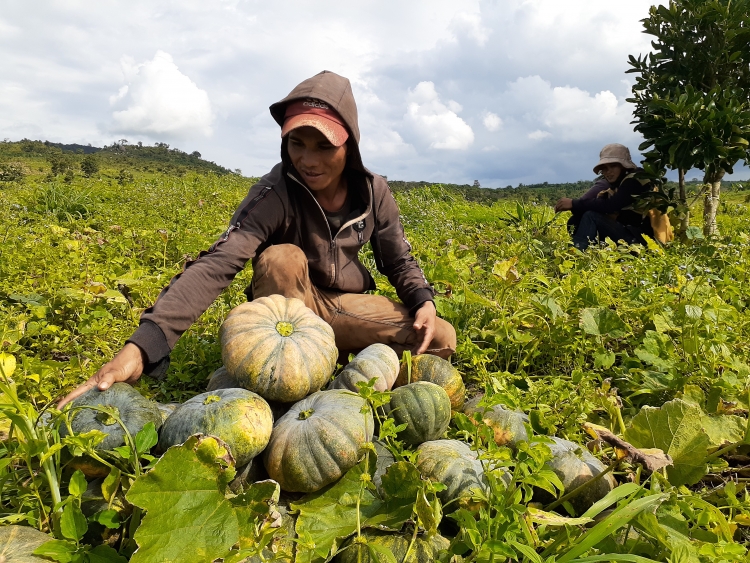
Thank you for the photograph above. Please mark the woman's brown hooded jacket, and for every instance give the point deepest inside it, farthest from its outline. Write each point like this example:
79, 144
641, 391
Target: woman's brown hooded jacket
280, 209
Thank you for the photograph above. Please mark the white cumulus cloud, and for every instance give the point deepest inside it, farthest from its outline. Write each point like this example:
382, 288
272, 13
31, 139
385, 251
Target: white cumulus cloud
435, 122
160, 100
492, 121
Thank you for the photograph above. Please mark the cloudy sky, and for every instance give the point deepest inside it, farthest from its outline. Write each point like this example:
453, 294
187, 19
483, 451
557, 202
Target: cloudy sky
502, 91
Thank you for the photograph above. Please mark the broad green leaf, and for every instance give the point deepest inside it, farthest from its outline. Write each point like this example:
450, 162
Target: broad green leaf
146, 438
252, 507
381, 554
724, 429
111, 483
600, 321
401, 480
188, 518
78, 484
72, 522
604, 359
57, 550
676, 428
328, 516
429, 513
109, 518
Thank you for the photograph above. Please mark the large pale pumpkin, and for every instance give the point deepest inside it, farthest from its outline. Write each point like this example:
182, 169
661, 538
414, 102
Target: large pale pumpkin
318, 440
17, 544
120, 399
376, 361
278, 348
455, 465
424, 549
427, 367
425, 409
241, 418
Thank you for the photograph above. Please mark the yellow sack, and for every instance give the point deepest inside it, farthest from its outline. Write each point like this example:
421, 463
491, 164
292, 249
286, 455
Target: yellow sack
663, 231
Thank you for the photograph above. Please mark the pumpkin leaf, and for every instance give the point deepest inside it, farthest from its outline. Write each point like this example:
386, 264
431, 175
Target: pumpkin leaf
73, 523
676, 428
252, 506
188, 517
601, 321
326, 521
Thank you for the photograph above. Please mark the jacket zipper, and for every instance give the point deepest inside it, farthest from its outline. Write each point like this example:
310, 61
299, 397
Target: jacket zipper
331, 237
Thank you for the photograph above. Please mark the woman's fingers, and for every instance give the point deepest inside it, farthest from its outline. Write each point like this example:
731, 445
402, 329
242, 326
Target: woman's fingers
126, 366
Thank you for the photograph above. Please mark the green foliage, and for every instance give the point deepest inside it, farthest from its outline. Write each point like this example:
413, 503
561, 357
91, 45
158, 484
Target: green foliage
565, 337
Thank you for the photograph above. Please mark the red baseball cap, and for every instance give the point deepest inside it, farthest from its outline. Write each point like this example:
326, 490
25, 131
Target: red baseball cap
314, 113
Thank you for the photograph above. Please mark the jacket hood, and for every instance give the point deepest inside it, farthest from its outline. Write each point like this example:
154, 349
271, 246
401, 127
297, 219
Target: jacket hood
327, 87
336, 91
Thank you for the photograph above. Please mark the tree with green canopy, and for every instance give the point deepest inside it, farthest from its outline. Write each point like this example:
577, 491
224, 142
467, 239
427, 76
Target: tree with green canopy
692, 95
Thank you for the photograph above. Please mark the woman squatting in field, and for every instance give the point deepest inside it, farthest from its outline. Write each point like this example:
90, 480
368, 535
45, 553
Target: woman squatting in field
302, 226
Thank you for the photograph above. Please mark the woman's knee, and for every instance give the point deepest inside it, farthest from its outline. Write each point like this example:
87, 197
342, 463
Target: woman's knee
443, 342
281, 256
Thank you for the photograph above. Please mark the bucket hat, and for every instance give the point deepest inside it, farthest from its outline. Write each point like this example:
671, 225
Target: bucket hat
615, 153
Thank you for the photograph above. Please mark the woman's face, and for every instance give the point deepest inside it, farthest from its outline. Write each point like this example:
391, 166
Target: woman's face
318, 162
611, 171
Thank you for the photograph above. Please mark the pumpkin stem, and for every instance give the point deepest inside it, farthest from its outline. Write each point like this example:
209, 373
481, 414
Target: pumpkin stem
108, 418
284, 328
304, 415
211, 399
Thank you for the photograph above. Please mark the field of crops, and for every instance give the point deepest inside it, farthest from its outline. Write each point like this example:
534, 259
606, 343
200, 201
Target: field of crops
648, 343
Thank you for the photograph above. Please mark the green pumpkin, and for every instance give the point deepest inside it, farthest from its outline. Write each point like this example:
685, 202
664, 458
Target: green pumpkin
134, 410
220, 379
318, 440
575, 465
425, 548
425, 409
17, 544
507, 426
427, 367
241, 418
377, 360
455, 465
278, 348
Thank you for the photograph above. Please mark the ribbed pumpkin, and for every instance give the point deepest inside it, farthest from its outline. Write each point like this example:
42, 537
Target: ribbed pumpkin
241, 418
427, 367
17, 544
134, 410
377, 360
575, 465
507, 426
424, 550
318, 440
220, 379
278, 348
425, 409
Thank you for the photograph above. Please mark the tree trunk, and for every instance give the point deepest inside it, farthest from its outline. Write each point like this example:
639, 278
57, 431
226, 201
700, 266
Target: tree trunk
685, 215
711, 202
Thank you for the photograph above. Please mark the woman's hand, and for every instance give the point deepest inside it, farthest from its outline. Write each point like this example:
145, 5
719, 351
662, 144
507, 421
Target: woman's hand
563, 204
126, 366
424, 324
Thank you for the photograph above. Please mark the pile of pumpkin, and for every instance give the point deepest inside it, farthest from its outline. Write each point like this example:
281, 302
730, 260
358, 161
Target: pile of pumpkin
277, 356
